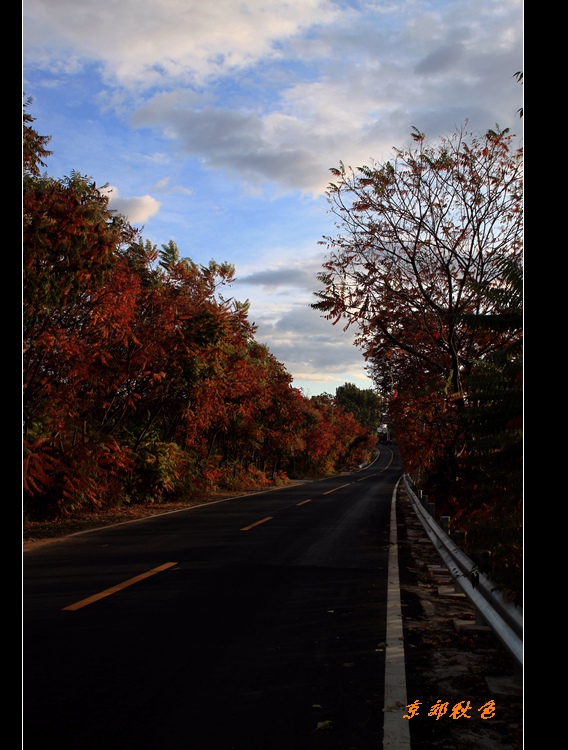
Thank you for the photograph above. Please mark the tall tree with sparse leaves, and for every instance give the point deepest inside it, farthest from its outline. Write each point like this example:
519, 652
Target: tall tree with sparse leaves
417, 236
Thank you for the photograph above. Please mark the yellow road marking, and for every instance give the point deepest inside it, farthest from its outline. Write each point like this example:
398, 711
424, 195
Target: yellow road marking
114, 589
304, 501
337, 488
246, 528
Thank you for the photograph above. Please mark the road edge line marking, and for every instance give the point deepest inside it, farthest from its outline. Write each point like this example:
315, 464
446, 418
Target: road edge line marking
396, 730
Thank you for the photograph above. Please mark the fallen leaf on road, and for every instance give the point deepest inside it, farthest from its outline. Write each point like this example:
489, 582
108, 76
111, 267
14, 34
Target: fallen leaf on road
325, 725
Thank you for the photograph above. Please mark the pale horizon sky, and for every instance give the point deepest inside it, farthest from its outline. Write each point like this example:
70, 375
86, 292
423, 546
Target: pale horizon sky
215, 125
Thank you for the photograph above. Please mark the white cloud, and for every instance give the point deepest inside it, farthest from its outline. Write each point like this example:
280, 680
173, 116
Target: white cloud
372, 76
141, 42
245, 105
369, 82
137, 209
313, 349
163, 186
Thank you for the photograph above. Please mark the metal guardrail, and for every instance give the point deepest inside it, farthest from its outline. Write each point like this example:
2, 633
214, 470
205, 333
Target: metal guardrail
503, 617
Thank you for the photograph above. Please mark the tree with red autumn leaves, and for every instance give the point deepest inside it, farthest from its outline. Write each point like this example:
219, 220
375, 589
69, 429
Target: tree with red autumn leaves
142, 380
79, 306
421, 239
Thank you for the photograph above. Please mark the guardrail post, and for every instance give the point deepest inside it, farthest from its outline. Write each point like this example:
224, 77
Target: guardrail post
479, 619
432, 509
424, 500
458, 536
445, 524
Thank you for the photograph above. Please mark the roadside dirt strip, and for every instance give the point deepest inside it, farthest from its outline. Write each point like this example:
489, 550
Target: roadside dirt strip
462, 690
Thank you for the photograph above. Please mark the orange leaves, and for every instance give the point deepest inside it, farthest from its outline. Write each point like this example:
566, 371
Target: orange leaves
132, 400
362, 206
137, 372
38, 465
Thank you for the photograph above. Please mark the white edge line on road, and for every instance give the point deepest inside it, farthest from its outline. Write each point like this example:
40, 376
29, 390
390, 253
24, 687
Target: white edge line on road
396, 730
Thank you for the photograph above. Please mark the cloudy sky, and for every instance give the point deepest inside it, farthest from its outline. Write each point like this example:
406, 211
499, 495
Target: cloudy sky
215, 123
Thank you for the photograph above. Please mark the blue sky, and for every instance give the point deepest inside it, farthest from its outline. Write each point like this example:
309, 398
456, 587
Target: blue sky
215, 125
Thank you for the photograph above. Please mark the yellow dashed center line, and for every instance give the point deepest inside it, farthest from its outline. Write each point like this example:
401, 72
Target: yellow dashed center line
337, 488
165, 566
114, 589
263, 520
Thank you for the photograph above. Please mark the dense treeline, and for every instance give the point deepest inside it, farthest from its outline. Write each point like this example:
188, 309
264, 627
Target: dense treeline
142, 379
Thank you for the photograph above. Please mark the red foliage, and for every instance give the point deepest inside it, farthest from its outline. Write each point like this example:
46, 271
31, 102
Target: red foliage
141, 381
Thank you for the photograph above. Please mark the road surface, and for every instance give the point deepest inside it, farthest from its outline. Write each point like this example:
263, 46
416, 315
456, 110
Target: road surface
256, 623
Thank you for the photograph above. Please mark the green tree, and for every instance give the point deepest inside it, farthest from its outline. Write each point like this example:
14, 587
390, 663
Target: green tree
364, 404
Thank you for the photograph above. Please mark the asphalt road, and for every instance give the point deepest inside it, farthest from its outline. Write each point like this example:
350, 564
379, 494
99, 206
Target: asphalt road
256, 623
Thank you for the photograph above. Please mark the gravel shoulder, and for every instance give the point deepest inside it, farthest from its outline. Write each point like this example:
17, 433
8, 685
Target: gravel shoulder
448, 657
